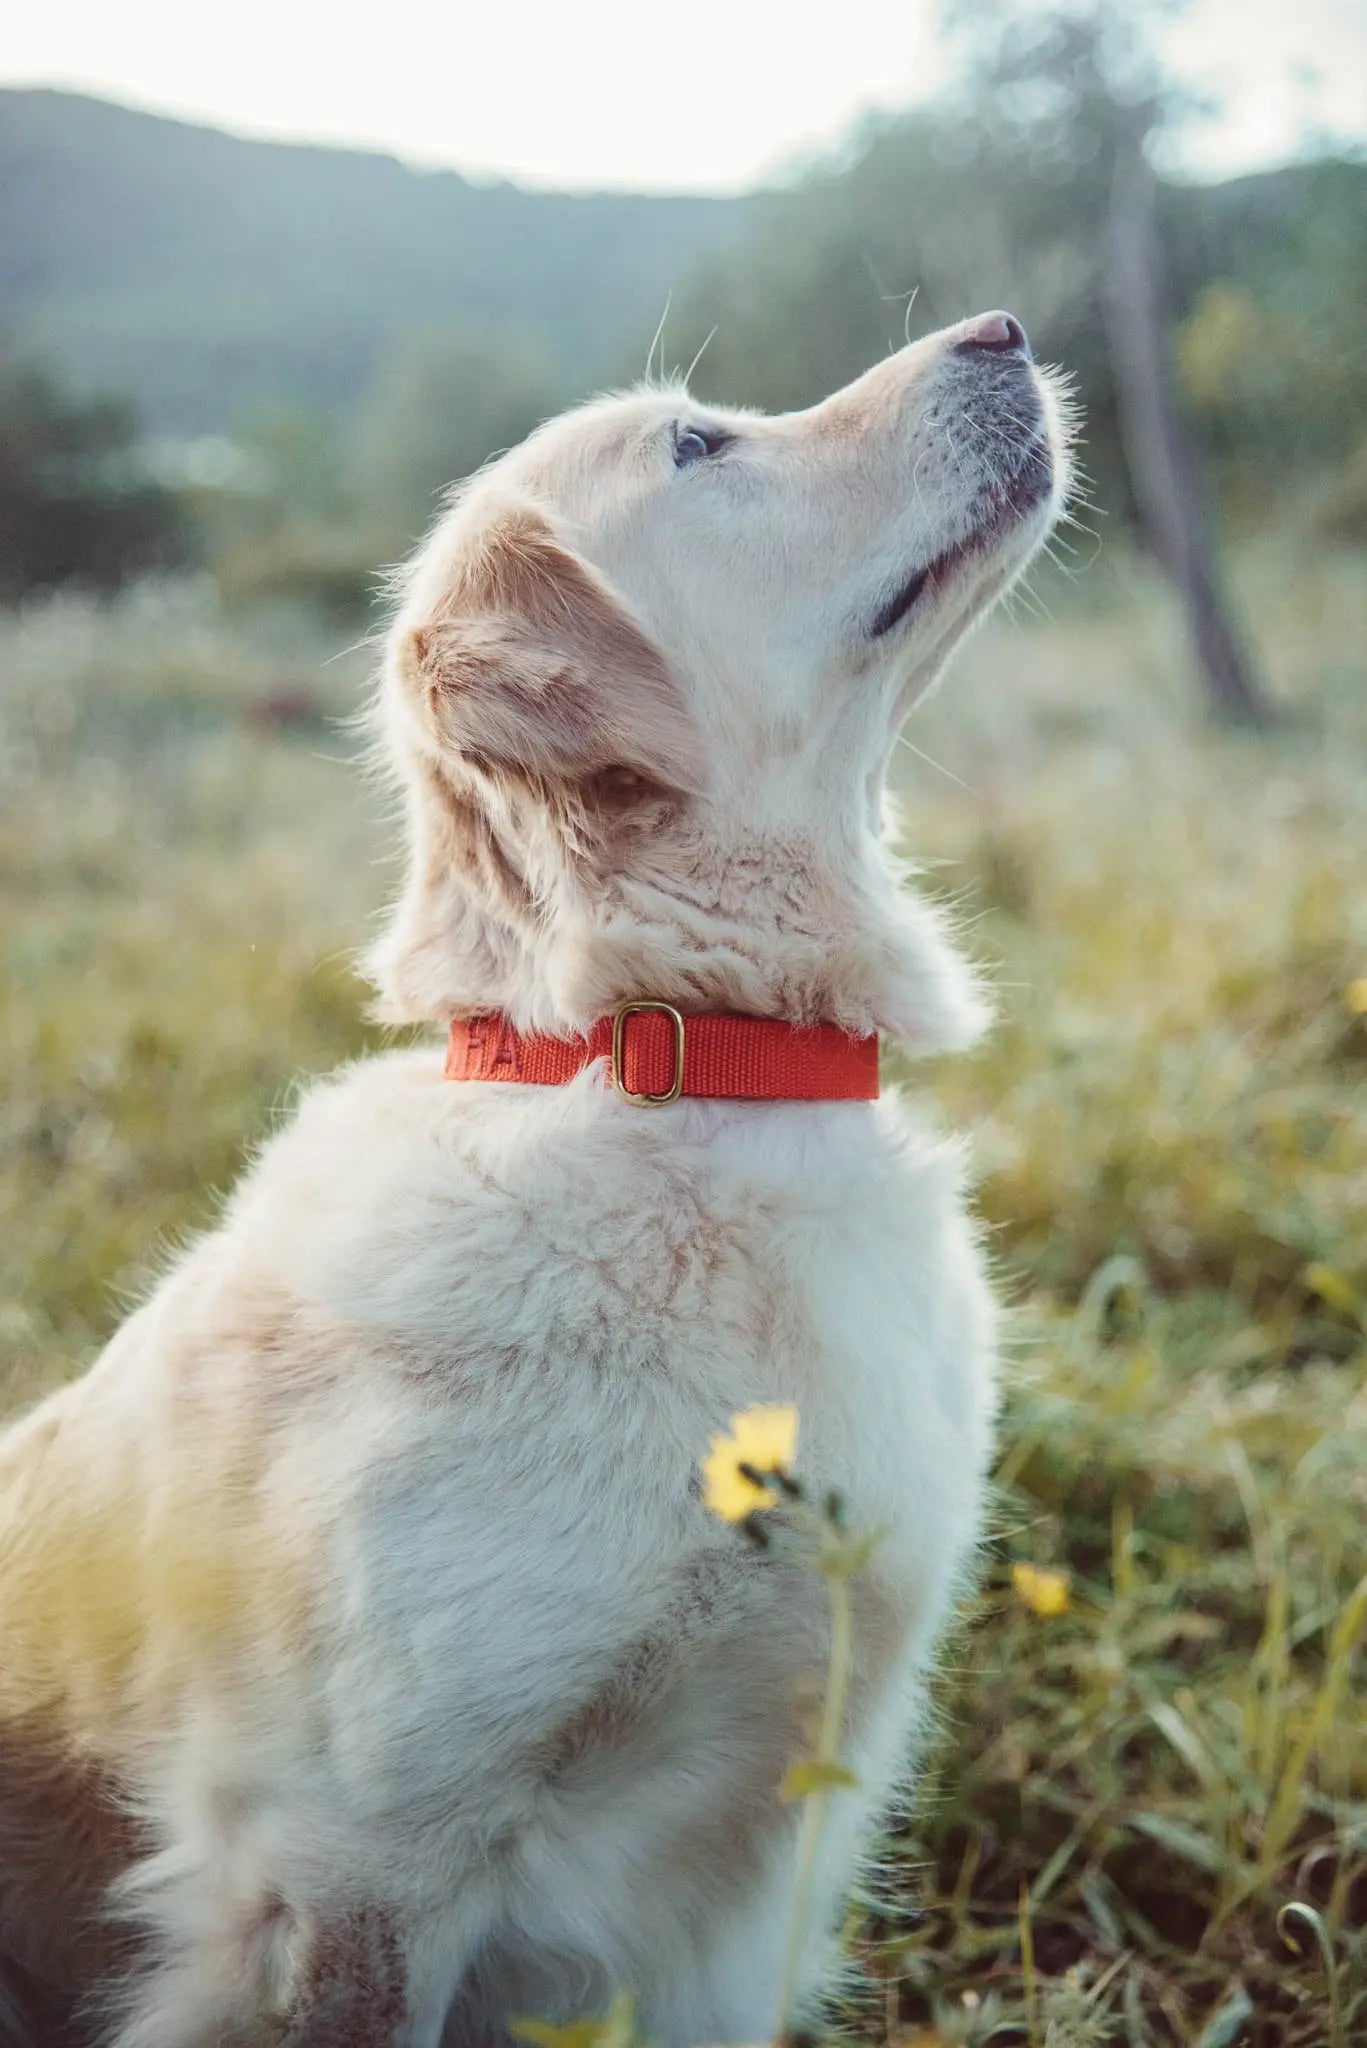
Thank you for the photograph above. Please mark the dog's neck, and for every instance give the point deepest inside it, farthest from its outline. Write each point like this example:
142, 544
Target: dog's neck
544, 921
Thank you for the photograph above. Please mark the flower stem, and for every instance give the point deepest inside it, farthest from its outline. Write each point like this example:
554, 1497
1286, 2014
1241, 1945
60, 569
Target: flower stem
814, 1806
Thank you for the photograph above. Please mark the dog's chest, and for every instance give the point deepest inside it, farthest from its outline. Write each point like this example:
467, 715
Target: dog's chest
564, 1300
576, 1269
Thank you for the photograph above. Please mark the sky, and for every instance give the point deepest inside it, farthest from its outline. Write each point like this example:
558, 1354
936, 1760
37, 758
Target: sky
714, 96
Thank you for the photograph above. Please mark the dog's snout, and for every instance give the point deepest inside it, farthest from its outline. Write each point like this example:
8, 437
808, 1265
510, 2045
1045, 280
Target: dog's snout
999, 331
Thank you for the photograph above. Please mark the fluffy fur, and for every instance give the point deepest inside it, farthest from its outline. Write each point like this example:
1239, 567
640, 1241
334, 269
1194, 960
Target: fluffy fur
371, 1666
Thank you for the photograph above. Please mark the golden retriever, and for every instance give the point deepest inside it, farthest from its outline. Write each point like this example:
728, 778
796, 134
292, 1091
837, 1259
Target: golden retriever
372, 1669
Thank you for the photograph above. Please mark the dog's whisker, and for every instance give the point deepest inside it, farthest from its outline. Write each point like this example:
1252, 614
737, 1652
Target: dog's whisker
657, 341
906, 318
931, 762
688, 373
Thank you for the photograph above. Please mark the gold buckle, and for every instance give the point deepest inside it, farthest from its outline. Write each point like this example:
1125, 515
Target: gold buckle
619, 1046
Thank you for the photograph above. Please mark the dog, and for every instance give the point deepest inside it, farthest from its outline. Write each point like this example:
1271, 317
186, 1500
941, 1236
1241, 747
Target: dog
374, 1671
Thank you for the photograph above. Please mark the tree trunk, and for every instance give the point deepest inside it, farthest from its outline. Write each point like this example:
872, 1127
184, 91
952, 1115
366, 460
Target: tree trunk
1163, 462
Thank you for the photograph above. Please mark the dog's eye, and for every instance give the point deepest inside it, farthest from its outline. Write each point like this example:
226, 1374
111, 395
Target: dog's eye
695, 444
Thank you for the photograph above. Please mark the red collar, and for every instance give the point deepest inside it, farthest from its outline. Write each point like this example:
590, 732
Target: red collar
655, 1054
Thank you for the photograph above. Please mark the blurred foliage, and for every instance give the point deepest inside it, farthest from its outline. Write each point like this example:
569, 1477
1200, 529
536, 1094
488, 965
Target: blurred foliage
314, 511
445, 401
288, 530
1269, 386
76, 501
998, 195
1170, 1131
369, 334
1342, 510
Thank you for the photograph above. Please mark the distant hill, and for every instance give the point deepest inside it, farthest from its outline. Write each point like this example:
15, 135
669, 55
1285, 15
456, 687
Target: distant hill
207, 275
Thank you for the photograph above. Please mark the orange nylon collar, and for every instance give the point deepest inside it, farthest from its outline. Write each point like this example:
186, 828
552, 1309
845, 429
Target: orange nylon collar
655, 1054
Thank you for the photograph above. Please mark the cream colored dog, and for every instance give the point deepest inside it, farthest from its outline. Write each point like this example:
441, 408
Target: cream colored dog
372, 1669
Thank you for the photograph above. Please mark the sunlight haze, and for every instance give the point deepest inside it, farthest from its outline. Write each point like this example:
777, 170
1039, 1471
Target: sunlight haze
712, 98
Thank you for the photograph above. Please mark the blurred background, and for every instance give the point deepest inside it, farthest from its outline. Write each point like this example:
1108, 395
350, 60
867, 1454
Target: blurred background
268, 285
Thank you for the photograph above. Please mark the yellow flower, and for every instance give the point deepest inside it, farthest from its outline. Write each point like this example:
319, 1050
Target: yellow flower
1044, 1593
765, 1439
1355, 995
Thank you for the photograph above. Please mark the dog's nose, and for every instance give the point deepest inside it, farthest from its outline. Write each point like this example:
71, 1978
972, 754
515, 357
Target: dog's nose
999, 331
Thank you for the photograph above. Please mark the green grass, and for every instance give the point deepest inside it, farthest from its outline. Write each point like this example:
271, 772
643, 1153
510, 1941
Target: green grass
1171, 1128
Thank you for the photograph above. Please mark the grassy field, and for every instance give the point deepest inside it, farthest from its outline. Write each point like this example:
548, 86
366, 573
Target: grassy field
1146, 1821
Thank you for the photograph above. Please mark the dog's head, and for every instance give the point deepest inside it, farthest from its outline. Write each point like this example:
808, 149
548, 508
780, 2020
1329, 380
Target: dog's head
646, 675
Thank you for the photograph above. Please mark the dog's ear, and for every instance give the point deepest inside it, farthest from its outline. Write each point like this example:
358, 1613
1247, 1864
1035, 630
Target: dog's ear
528, 662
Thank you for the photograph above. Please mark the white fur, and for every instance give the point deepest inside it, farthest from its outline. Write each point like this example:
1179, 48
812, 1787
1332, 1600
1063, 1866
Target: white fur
441, 1694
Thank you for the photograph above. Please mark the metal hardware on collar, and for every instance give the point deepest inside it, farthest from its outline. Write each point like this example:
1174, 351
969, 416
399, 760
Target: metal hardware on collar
618, 1055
